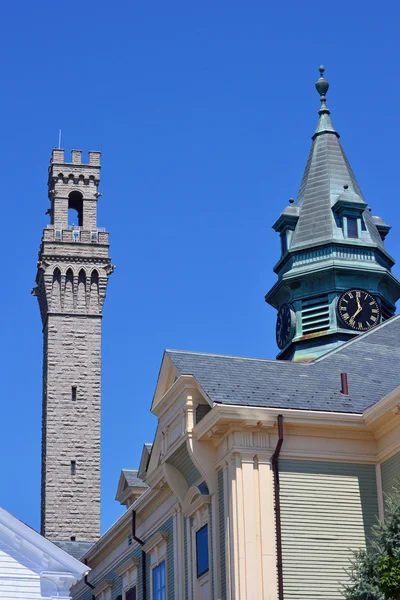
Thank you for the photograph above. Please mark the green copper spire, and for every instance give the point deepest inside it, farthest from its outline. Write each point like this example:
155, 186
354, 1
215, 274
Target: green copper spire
330, 243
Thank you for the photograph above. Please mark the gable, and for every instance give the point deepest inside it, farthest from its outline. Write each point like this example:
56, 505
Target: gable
28, 560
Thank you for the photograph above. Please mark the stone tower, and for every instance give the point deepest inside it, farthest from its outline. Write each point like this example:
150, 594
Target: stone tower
334, 273
73, 269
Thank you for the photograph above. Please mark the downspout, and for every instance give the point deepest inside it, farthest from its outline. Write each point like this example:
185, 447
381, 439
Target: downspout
87, 582
278, 526
141, 542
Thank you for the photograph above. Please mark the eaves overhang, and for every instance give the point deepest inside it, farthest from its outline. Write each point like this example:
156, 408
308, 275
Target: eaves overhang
234, 415
225, 418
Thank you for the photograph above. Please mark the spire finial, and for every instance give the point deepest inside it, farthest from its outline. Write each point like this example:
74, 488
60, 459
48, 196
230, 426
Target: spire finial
322, 87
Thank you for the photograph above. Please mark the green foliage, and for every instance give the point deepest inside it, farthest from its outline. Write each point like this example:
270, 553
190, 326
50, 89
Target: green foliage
375, 572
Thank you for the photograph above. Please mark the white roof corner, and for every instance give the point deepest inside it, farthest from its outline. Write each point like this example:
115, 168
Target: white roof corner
34, 561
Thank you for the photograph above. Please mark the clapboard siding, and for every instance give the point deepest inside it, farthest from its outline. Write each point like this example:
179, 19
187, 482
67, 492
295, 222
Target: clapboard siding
327, 510
221, 517
182, 461
170, 566
390, 470
18, 576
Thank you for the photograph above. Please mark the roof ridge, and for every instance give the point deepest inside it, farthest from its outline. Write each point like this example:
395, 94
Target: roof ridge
360, 336
273, 360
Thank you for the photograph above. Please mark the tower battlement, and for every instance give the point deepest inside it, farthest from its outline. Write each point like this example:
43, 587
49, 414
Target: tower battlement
58, 157
74, 185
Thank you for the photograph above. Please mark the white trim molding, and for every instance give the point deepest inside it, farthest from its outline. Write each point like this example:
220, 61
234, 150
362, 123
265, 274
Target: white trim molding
156, 548
103, 591
128, 571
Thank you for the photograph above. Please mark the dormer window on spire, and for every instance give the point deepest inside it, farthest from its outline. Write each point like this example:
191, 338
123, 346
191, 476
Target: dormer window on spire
286, 224
352, 227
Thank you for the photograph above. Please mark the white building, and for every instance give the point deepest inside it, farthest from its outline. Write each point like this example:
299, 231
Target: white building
32, 567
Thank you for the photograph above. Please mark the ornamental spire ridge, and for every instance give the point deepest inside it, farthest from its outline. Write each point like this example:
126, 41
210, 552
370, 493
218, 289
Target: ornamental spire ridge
322, 87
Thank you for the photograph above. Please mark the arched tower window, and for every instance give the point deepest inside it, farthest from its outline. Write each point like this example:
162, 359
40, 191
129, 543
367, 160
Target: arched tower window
94, 293
69, 291
75, 208
56, 290
81, 300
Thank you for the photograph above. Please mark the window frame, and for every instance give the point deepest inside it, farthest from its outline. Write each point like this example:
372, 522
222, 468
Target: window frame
197, 532
354, 222
162, 591
132, 588
128, 571
156, 549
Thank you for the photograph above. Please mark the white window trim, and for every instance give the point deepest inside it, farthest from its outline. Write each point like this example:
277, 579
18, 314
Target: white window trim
197, 507
156, 549
129, 573
103, 591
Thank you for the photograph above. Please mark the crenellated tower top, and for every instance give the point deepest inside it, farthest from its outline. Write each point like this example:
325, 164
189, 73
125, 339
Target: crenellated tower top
74, 185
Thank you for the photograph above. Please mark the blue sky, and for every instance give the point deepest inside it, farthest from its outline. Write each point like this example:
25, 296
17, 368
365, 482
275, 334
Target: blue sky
204, 113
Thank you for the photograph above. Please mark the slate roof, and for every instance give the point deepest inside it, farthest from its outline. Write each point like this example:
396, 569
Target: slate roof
132, 479
75, 549
371, 360
327, 171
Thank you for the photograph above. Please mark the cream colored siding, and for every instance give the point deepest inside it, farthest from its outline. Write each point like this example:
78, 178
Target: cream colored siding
390, 470
221, 511
327, 510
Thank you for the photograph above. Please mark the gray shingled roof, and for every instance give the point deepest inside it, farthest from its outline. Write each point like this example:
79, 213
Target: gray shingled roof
76, 549
371, 360
132, 479
327, 171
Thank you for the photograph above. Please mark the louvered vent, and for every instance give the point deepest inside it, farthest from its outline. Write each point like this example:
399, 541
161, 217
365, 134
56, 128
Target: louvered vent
387, 310
315, 314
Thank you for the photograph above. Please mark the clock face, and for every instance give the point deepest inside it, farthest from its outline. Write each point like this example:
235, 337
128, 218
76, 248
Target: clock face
358, 310
285, 325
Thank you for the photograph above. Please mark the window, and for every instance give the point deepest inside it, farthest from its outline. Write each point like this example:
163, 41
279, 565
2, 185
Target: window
352, 227
73, 392
159, 582
73, 467
131, 594
73, 538
202, 551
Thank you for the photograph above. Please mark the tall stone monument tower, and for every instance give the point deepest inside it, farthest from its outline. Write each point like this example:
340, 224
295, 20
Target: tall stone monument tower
73, 269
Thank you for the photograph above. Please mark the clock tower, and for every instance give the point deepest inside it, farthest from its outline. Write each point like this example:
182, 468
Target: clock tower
334, 273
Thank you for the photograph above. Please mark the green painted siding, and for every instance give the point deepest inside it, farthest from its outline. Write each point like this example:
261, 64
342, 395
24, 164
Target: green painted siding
221, 516
327, 511
137, 552
182, 461
390, 470
111, 575
169, 526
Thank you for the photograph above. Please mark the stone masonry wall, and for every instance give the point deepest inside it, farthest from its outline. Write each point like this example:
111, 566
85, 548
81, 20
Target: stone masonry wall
71, 428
